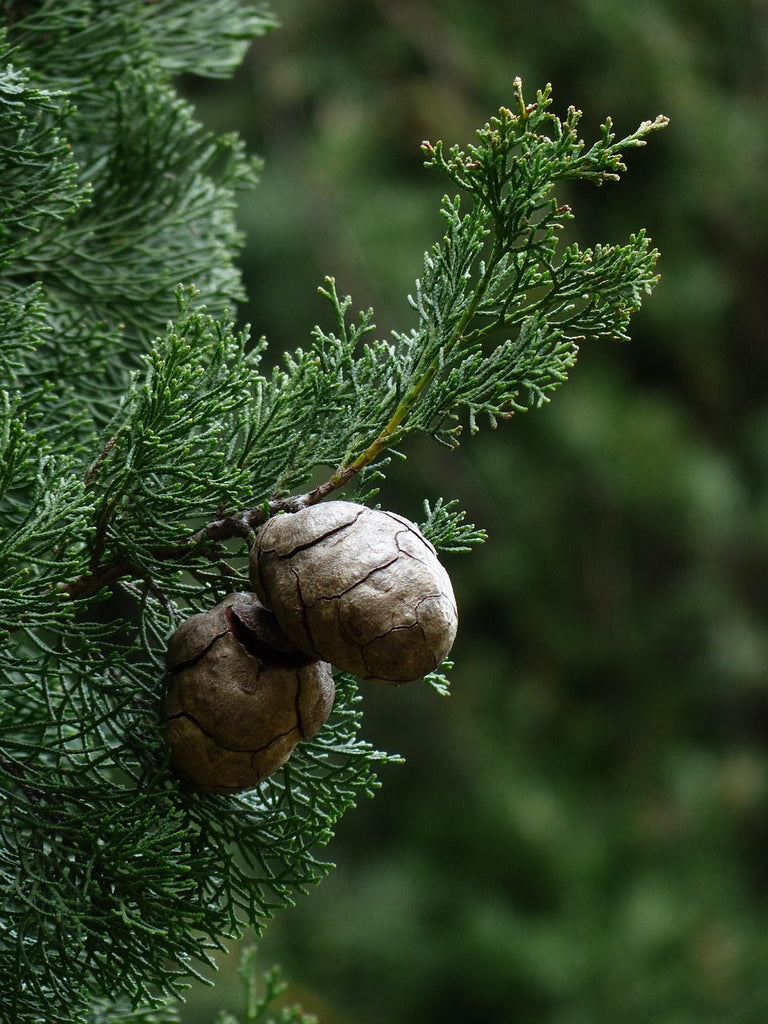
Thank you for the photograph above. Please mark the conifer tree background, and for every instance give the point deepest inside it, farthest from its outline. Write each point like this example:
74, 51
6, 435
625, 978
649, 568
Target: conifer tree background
138, 457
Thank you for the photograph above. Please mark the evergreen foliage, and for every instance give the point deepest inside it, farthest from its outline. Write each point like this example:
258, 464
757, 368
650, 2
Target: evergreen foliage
261, 992
142, 446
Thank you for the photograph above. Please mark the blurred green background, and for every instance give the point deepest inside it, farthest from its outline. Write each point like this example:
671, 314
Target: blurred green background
580, 833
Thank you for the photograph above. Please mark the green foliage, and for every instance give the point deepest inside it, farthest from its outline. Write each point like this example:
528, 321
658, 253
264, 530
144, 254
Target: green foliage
118, 214
103, 1012
173, 451
495, 270
39, 171
471, 289
260, 1004
142, 446
446, 528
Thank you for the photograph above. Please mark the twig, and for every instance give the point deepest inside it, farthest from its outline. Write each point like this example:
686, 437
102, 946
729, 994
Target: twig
206, 540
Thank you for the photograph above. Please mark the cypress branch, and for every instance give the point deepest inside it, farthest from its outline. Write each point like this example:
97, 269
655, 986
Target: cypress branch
132, 486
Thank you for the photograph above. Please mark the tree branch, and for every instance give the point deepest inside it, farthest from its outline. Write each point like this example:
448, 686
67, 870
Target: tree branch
206, 540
